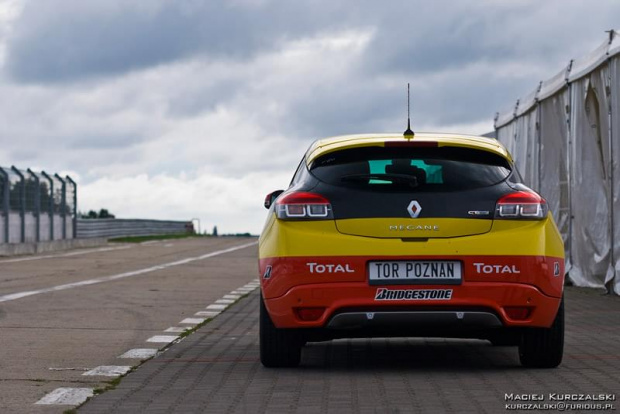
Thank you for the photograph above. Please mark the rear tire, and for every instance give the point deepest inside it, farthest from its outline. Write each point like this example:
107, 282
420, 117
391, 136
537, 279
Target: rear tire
278, 347
544, 347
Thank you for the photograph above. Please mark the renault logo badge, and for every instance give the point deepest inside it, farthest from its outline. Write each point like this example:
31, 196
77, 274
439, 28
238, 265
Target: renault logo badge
414, 209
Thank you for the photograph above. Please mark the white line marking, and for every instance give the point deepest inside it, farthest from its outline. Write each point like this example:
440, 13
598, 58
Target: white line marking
66, 396
237, 292
207, 314
108, 371
53, 256
19, 295
177, 329
193, 321
162, 339
217, 307
225, 301
235, 297
140, 353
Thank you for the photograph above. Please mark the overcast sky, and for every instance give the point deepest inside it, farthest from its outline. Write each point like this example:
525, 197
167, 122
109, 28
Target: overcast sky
196, 109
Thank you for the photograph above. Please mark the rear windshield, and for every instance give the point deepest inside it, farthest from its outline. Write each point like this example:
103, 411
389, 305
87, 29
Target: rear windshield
411, 169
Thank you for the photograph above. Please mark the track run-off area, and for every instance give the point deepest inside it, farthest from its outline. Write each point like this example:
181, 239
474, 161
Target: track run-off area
73, 323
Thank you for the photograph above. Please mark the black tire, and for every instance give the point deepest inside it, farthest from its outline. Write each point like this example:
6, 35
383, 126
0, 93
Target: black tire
278, 347
544, 347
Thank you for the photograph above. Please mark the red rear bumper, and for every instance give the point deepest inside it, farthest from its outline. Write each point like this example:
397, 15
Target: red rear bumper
493, 297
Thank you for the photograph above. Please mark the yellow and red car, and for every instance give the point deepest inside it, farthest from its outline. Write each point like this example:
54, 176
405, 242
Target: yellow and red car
389, 235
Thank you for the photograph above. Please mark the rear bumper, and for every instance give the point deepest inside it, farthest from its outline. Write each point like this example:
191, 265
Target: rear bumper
422, 319
348, 305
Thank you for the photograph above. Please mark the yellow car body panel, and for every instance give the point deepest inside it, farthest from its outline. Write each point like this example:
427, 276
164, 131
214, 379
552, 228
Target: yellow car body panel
327, 145
322, 238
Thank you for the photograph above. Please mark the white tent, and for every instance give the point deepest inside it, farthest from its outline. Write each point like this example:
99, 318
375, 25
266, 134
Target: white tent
565, 139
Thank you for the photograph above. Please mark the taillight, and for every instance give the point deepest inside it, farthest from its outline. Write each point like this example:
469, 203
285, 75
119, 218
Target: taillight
521, 205
303, 206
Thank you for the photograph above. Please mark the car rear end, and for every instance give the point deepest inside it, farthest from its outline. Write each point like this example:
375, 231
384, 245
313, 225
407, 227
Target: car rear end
434, 236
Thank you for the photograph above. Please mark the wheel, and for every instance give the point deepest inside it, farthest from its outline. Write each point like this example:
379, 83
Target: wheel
544, 347
278, 347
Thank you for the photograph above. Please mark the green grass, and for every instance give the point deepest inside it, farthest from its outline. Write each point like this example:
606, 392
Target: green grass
140, 239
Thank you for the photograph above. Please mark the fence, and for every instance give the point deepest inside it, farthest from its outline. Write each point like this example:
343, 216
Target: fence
36, 207
89, 228
565, 138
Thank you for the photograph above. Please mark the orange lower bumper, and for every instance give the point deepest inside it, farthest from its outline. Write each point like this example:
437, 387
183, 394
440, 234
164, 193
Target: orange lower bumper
493, 296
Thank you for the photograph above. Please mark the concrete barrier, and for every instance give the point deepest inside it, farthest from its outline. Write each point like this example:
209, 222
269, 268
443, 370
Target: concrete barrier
15, 249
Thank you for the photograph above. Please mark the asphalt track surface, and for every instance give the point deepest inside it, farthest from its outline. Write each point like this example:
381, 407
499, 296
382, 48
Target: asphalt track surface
217, 369
64, 314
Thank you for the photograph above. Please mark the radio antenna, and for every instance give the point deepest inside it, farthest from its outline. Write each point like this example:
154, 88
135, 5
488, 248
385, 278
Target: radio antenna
408, 133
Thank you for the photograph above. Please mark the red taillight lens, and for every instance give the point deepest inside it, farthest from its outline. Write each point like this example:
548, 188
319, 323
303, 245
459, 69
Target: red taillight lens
521, 205
518, 313
303, 206
310, 314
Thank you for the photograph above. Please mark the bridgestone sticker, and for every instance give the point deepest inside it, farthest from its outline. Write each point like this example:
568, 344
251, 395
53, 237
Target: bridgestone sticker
413, 294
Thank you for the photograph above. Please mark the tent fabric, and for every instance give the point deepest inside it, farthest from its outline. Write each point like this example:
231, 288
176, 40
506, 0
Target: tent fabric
554, 84
554, 180
615, 151
586, 64
591, 235
565, 140
527, 102
520, 144
614, 47
530, 169
506, 135
504, 118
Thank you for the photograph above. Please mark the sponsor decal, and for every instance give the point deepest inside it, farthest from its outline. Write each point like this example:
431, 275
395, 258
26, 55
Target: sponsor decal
267, 273
414, 208
413, 294
329, 268
412, 227
487, 269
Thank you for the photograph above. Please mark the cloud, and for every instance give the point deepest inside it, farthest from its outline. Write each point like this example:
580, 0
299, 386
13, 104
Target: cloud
157, 101
68, 40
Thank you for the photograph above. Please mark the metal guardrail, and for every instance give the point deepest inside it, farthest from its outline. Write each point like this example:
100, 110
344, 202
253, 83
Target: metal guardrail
90, 228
